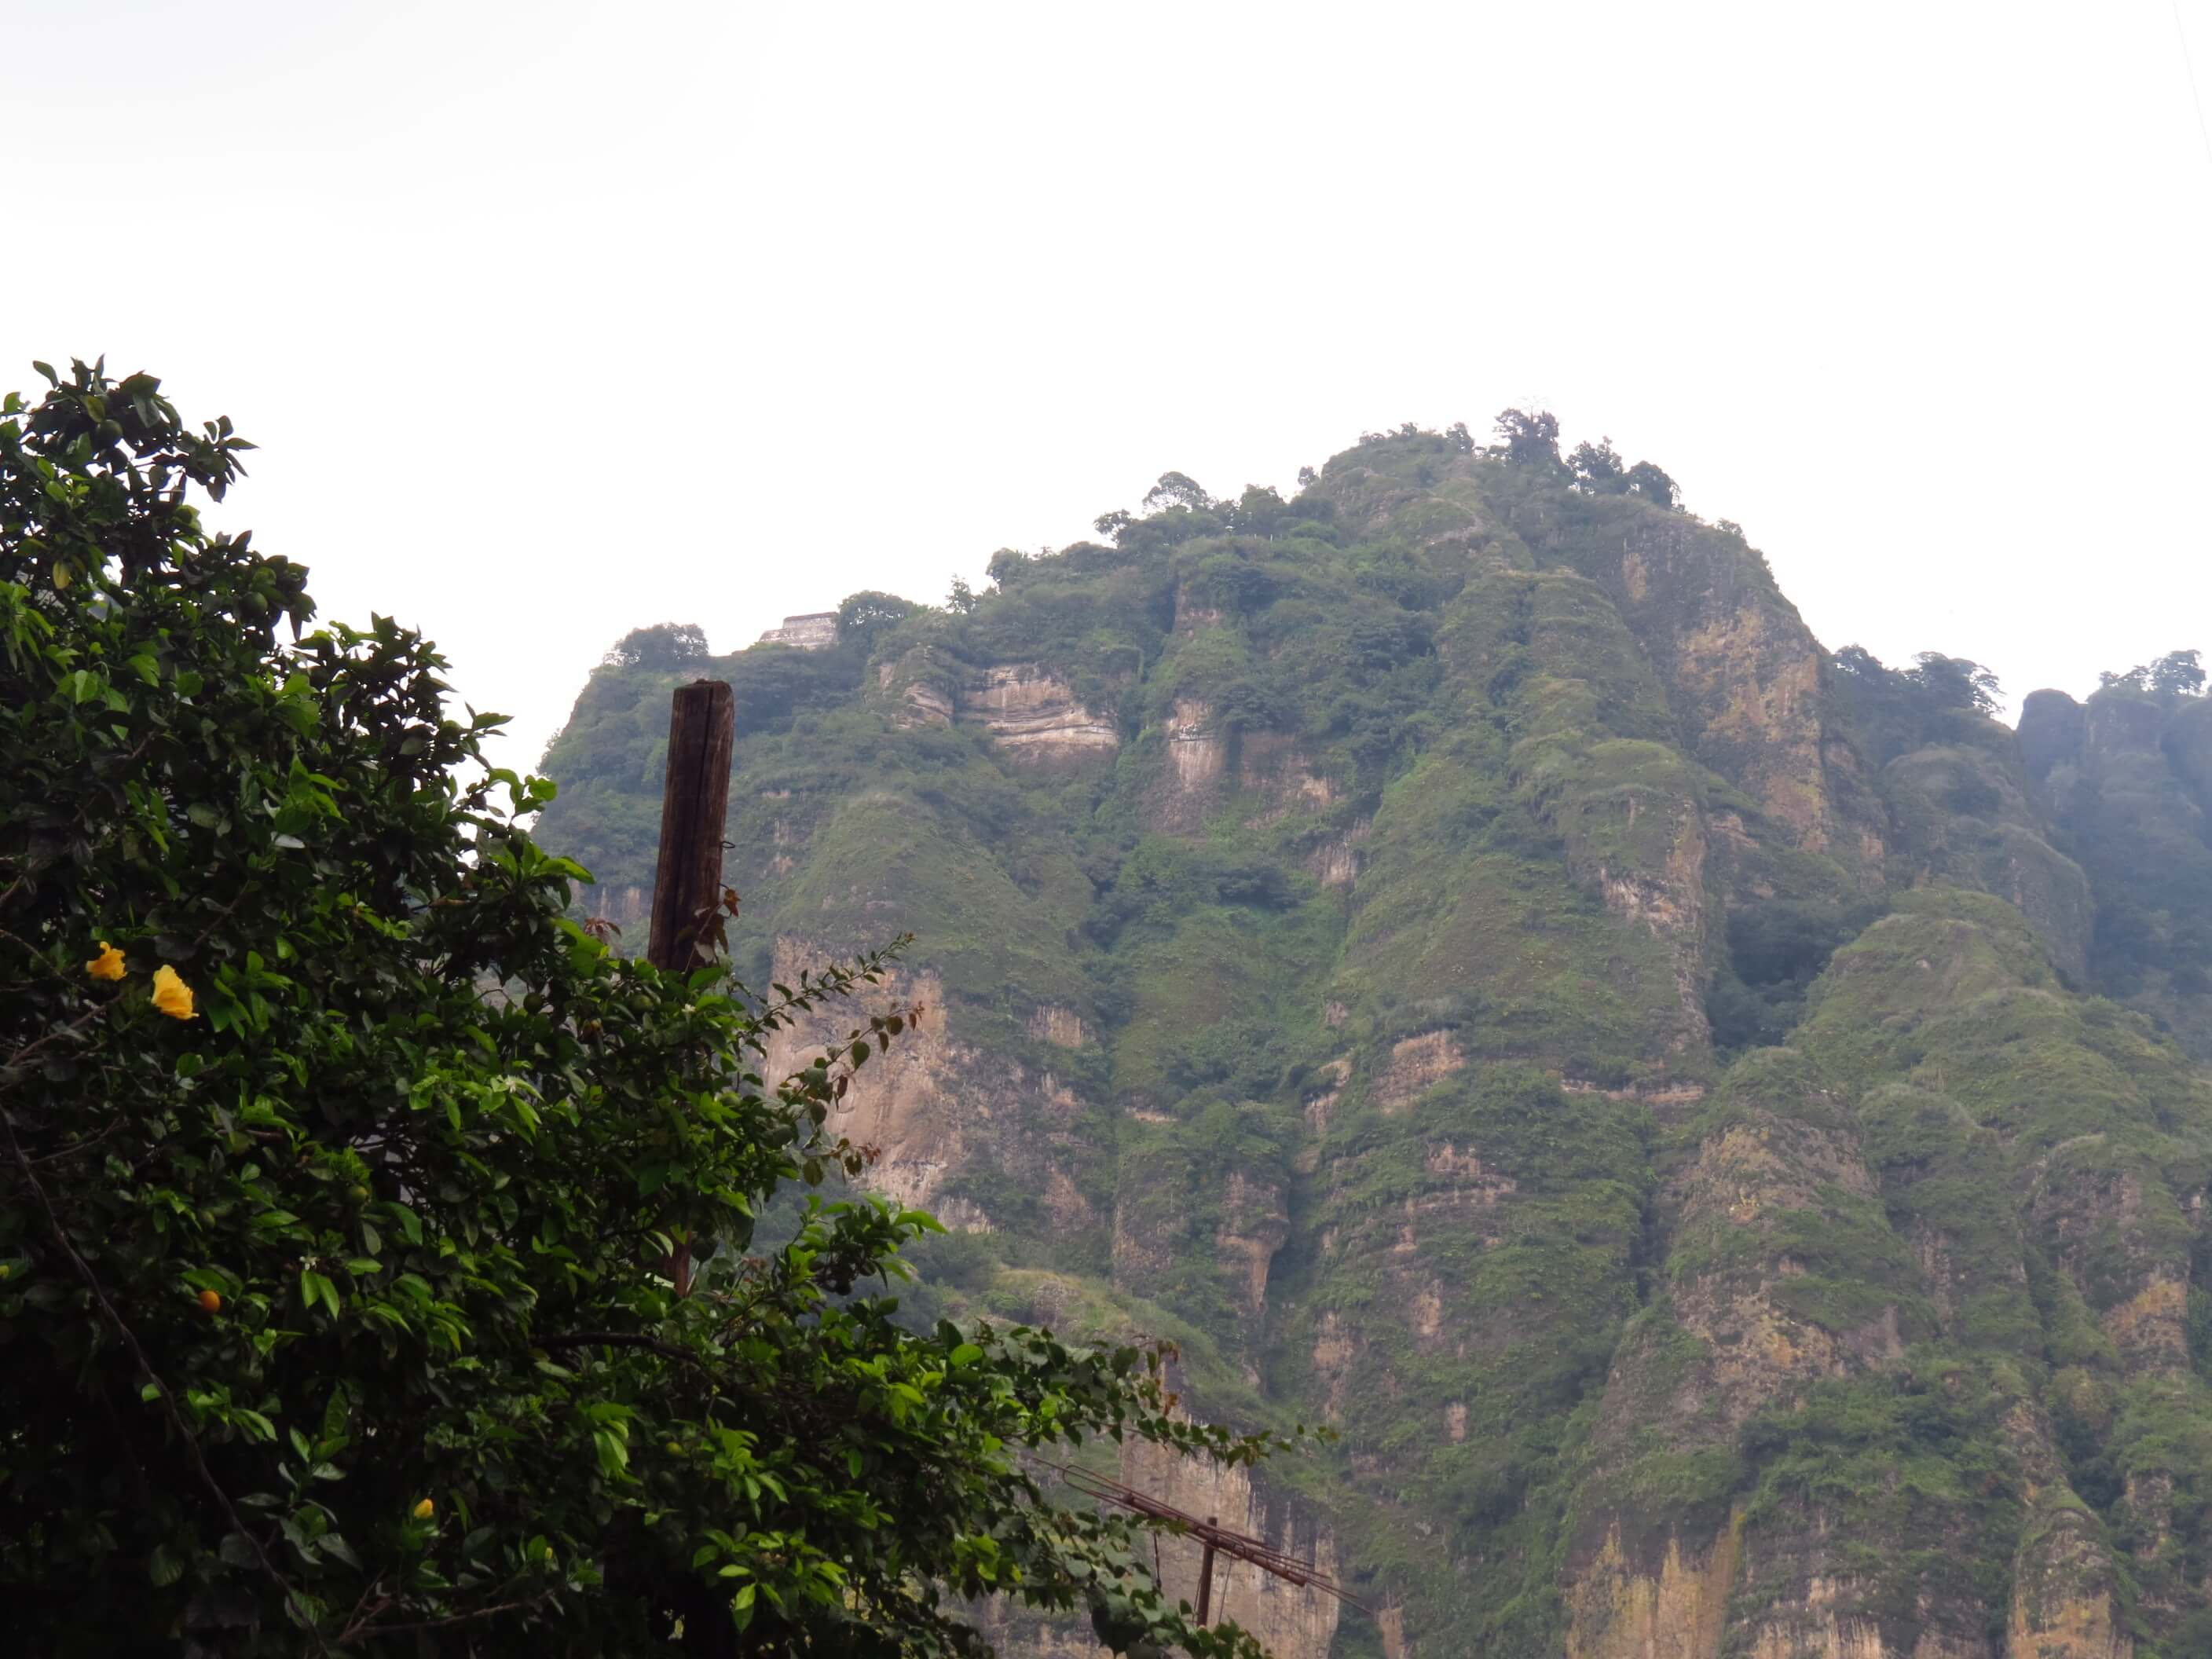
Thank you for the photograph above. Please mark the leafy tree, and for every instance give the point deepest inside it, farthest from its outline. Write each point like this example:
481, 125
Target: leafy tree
1308, 478
665, 645
1955, 683
1176, 489
2178, 674
1898, 710
1530, 439
961, 599
1258, 511
1599, 469
341, 1174
1111, 524
1008, 564
2175, 675
866, 616
1647, 480
1460, 437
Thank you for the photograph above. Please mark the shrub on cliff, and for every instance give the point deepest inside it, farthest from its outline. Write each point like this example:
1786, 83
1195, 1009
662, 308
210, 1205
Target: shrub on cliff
340, 1173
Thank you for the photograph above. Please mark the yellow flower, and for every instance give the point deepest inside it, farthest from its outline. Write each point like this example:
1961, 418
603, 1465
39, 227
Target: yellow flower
171, 994
425, 1510
108, 964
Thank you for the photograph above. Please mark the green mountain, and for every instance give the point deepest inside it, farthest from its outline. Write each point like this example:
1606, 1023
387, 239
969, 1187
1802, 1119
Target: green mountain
1719, 1128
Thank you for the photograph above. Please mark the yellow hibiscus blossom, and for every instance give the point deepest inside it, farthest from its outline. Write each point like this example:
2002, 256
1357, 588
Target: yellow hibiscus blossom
108, 964
171, 994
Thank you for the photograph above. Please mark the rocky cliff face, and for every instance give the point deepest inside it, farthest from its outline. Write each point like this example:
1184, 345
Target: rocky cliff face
2126, 779
1455, 955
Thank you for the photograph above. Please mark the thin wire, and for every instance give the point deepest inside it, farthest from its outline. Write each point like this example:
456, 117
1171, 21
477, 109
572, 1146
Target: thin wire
2188, 63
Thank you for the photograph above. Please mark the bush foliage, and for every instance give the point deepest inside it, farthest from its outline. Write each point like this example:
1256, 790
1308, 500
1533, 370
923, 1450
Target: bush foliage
342, 1175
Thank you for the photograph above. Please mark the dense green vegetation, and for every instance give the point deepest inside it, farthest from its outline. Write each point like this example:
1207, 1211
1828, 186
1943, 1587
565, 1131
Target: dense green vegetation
379, 1270
1449, 947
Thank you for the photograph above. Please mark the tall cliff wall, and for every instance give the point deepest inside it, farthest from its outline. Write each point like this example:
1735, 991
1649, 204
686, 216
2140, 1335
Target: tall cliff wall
1455, 954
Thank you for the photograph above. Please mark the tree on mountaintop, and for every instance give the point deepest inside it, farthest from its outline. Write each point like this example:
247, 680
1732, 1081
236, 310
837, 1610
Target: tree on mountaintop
1531, 439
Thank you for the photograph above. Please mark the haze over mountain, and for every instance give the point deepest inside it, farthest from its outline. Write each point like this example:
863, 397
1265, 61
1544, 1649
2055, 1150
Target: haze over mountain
1718, 1126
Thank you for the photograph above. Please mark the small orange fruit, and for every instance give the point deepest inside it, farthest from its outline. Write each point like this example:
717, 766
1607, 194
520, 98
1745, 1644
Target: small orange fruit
210, 1302
425, 1510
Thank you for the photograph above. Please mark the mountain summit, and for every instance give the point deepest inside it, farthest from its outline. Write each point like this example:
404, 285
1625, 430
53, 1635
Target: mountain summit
1718, 1127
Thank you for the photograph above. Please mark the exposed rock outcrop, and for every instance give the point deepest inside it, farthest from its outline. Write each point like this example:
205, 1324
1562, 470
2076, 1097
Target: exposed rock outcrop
817, 630
1291, 1621
1744, 673
933, 1113
1415, 1062
1034, 717
1197, 752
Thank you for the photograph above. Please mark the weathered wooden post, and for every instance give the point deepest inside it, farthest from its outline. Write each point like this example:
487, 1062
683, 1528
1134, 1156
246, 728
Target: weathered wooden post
687, 886
694, 799
1205, 1572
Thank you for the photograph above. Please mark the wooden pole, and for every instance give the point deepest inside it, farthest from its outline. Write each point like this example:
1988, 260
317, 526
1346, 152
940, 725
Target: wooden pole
694, 799
1205, 1577
687, 886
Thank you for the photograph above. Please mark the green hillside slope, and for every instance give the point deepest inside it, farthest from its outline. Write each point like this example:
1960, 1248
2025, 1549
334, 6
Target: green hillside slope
1711, 1124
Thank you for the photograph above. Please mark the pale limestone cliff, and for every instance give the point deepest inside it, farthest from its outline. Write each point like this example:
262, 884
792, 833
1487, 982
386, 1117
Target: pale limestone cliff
1621, 1608
1729, 1339
2065, 1594
1744, 674
1335, 862
1034, 717
1190, 615
1414, 1063
1255, 1222
929, 1109
1667, 898
1053, 1023
1197, 753
1293, 1622
817, 630
1275, 772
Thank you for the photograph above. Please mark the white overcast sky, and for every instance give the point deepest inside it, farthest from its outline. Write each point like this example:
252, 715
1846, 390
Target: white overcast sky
556, 319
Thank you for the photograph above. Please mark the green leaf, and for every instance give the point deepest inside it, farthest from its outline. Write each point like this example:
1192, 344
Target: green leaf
331, 1544
164, 1566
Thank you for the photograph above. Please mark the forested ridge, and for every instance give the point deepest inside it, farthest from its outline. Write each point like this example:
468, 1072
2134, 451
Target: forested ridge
1717, 1126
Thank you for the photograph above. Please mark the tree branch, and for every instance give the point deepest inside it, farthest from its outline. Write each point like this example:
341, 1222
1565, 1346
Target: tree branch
360, 1630
622, 1340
